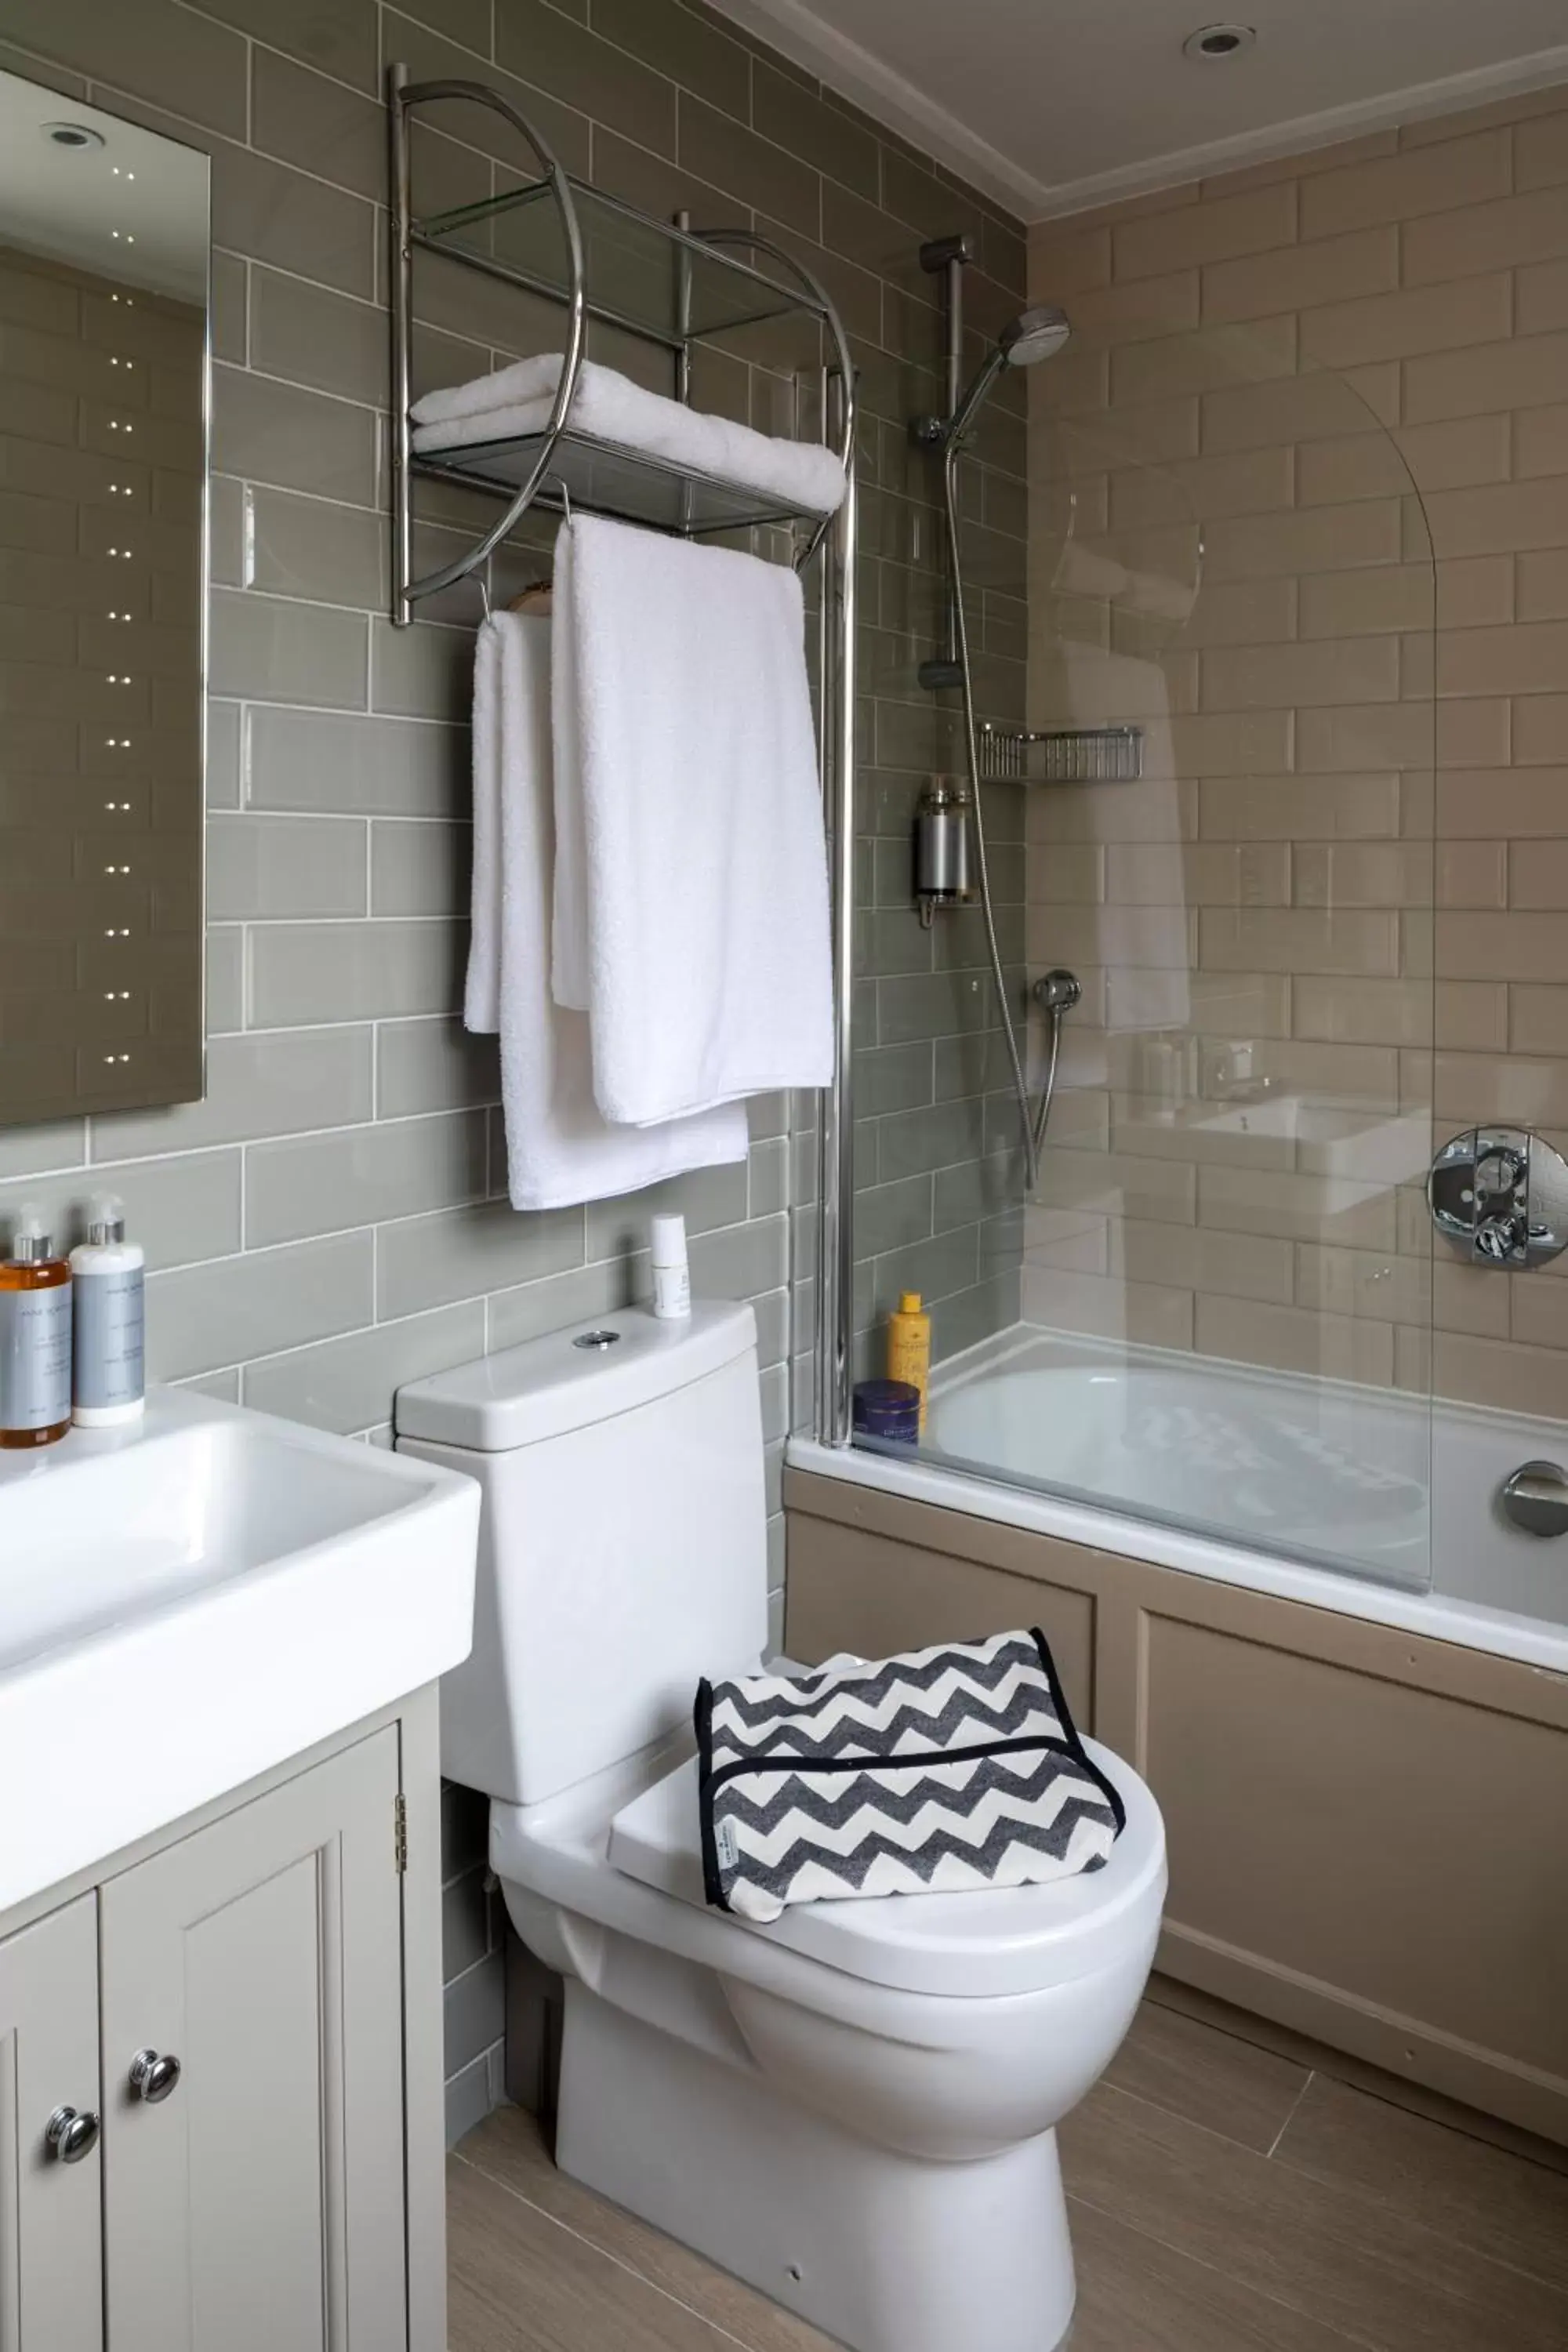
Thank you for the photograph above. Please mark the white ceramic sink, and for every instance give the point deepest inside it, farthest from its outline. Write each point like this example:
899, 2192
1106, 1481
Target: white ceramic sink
190, 1601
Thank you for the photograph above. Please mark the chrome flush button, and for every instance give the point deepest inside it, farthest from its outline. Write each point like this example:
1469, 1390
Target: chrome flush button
598, 1339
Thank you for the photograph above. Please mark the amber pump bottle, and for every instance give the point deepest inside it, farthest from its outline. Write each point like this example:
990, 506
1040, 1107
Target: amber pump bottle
34, 1338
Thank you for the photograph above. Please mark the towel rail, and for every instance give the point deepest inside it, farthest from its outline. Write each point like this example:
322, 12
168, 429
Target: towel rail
403, 95
532, 469
750, 295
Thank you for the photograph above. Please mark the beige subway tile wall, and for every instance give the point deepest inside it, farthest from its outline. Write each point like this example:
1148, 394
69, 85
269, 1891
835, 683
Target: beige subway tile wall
329, 1221
1331, 511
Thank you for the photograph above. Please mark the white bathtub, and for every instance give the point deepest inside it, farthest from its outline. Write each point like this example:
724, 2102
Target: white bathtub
1361, 1500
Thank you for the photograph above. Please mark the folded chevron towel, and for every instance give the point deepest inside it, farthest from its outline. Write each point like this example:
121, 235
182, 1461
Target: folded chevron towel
940, 1771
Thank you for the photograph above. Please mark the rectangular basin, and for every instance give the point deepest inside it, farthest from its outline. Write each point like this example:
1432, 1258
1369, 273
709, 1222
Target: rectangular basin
192, 1601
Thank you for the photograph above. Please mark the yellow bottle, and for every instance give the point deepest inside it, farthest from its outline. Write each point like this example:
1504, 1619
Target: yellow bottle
908, 1348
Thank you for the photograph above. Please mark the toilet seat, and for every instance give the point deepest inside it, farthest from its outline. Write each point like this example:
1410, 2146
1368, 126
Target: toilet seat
1019, 1940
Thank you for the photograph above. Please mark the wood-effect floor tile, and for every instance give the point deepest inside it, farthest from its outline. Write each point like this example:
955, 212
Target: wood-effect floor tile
521, 2283
1328, 2252
1135, 2294
1230, 2086
1166, 1993
1513, 2211
508, 2148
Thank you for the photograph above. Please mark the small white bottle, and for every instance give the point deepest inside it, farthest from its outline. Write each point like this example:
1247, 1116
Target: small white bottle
108, 1275
671, 1275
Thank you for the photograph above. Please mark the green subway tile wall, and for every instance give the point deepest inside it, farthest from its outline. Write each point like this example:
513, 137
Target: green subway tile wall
331, 1220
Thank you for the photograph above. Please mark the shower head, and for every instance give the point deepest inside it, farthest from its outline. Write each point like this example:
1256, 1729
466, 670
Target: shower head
1036, 334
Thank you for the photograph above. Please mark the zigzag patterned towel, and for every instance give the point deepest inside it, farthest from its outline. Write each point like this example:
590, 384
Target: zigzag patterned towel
945, 1769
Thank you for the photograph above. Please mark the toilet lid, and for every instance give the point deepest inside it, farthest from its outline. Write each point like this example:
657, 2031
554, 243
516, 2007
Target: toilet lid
1008, 1940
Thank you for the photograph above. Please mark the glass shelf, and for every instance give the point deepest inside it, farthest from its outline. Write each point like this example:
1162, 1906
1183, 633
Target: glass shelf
628, 485
643, 274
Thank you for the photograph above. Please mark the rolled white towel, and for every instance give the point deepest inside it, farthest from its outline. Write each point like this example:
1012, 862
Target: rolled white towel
516, 400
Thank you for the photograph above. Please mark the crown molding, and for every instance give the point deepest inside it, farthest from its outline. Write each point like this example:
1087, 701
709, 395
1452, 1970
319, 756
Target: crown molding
1516, 77
799, 33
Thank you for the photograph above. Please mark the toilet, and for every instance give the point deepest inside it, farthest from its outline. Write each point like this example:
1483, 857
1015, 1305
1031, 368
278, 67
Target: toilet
852, 2108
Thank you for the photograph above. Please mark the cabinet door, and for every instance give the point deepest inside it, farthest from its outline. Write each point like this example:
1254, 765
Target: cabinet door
257, 2205
51, 2266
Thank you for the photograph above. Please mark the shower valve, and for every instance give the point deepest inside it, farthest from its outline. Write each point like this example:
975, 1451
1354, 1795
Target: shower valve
1500, 1196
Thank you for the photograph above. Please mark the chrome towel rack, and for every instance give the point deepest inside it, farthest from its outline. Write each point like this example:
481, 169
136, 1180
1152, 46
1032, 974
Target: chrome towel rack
674, 287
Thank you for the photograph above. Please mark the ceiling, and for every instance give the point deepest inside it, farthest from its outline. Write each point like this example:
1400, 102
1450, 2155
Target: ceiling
134, 208
1053, 105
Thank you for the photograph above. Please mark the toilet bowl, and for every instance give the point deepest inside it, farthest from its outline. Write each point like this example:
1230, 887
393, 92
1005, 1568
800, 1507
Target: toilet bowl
852, 2108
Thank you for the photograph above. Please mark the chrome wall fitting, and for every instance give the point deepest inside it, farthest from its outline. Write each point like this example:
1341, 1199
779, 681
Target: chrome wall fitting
1536, 1499
1057, 990
1499, 1194
943, 876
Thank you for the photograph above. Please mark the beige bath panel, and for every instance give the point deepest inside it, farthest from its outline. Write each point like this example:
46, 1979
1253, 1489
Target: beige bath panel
1311, 1876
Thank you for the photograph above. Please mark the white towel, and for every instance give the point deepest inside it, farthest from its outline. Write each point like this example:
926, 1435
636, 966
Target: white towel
559, 1149
517, 400
690, 903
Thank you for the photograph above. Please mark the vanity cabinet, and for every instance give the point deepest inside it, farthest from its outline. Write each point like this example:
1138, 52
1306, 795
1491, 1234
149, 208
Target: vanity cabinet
231, 2011
51, 2254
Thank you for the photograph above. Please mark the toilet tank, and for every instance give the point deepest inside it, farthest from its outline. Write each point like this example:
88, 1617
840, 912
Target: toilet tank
623, 1542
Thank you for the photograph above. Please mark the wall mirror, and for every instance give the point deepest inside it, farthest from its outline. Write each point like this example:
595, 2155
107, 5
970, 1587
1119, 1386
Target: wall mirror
104, 438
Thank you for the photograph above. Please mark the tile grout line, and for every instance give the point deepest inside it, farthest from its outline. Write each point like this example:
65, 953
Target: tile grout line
603, 2252
1294, 2104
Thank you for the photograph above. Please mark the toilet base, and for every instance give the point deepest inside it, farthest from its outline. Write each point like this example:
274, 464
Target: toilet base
887, 2251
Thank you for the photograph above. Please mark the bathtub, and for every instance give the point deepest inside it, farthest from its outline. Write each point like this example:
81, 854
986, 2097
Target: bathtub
1364, 1797
1364, 1500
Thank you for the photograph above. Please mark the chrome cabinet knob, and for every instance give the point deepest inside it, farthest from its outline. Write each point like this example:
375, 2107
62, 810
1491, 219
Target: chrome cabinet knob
153, 2076
1536, 1499
69, 2135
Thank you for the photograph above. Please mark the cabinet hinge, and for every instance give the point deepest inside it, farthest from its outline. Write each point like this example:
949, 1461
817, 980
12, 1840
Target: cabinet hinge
400, 1834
